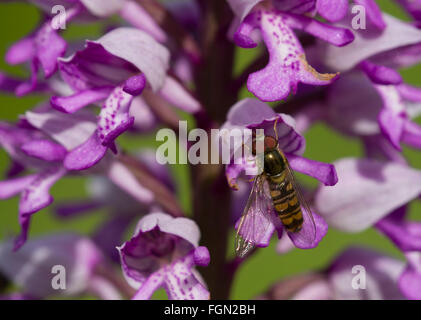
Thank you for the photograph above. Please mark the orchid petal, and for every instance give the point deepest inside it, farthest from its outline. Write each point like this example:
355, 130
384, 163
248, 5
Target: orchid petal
127, 43
159, 237
400, 57
181, 227
409, 93
152, 283
49, 46
378, 147
103, 8
36, 195
135, 85
12, 187
75, 208
173, 92
396, 34
374, 14
181, 283
324, 172
410, 279
347, 111
44, 150
125, 180
34, 198
332, 10
382, 274
114, 58
201, 256
412, 6
287, 64
392, 126
234, 170
144, 118
405, 234
21, 51
381, 74
254, 114
412, 134
284, 245
86, 155
336, 36
70, 130
139, 18
242, 8
366, 192
75, 102
114, 117
296, 6
392, 118
30, 267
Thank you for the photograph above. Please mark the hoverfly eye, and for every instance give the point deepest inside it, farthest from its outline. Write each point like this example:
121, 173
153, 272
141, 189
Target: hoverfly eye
270, 142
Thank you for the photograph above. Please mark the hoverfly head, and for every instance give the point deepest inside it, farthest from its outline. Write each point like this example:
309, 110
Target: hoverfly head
258, 144
270, 143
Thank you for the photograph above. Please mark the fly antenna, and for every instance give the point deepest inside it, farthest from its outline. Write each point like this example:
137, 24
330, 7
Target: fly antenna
275, 129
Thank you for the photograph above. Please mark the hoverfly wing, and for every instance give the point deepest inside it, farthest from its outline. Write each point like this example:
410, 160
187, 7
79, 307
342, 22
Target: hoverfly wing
307, 234
256, 218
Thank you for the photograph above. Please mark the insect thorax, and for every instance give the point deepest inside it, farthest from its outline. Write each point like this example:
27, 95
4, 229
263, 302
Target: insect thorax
274, 162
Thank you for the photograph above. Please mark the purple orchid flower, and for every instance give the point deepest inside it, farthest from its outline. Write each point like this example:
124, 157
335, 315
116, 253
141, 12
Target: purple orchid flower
385, 104
41, 142
31, 267
374, 46
44, 46
355, 209
163, 253
377, 109
40, 49
253, 114
111, 69
44, 141
287, 62
379, 203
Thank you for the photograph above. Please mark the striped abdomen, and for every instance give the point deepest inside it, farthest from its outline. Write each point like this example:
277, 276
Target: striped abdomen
286, 202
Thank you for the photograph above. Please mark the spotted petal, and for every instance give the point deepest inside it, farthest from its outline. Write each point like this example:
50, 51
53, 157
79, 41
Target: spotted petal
114, 117
287, 63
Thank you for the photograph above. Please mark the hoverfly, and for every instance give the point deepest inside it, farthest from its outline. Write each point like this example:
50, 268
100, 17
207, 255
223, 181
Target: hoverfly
274, 190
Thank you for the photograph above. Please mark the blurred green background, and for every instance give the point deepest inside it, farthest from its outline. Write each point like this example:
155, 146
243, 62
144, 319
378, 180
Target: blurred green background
265, 267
